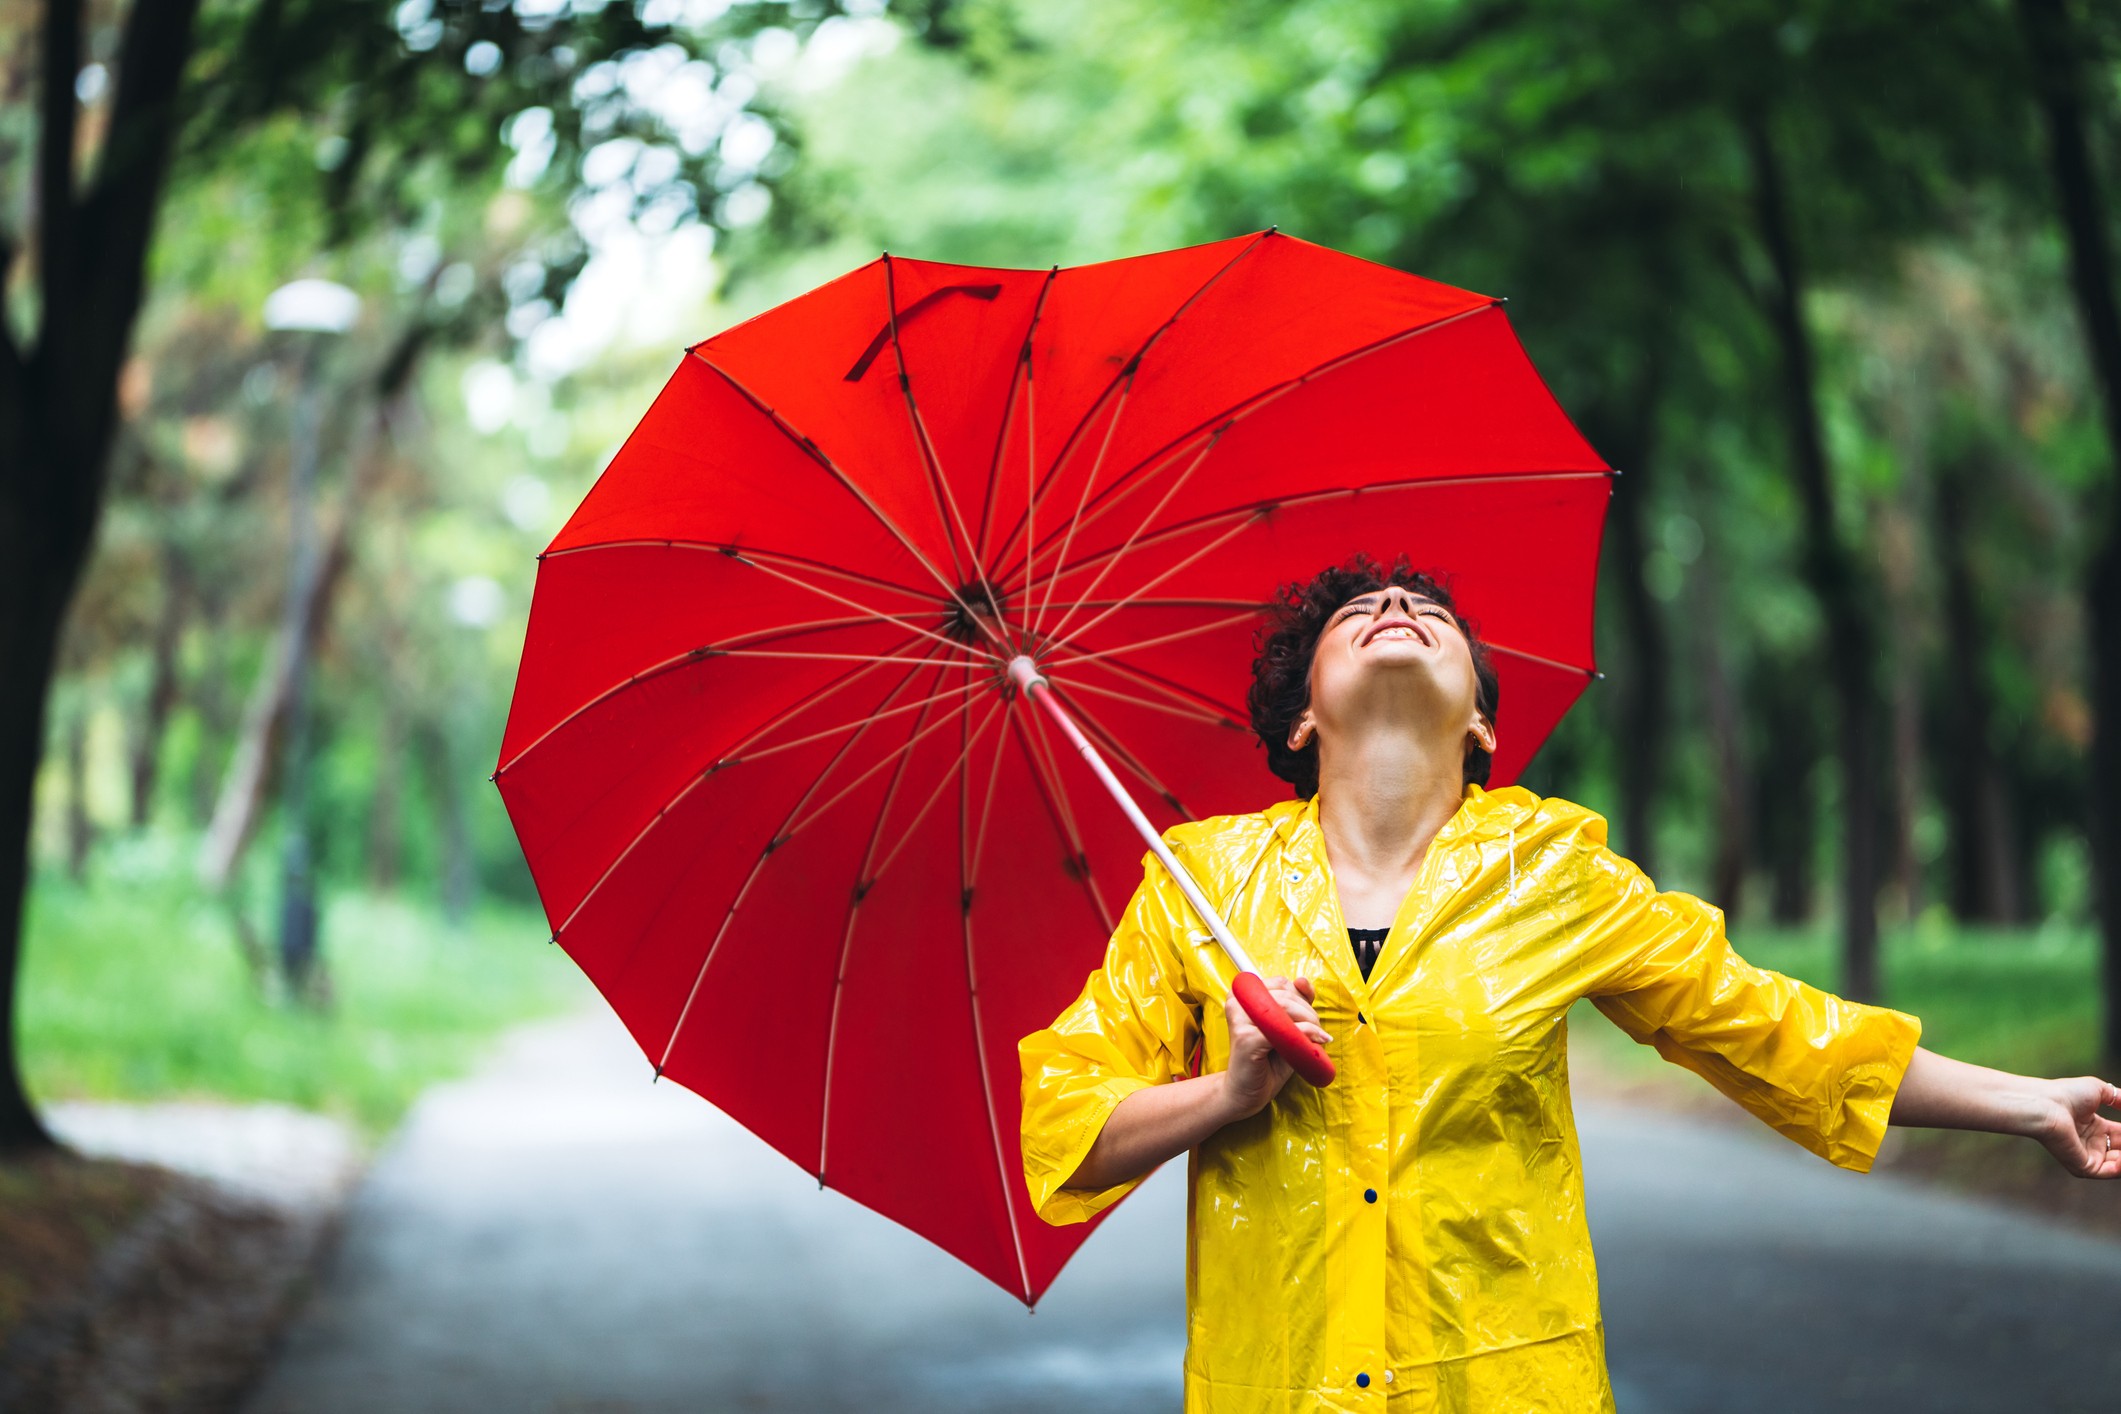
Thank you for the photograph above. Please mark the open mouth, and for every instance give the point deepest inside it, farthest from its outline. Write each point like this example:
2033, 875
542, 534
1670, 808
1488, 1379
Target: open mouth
1397, 628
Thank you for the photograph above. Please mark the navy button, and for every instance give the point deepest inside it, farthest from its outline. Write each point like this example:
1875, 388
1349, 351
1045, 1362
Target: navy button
1361, 1020
1369, 1195
1362, 1381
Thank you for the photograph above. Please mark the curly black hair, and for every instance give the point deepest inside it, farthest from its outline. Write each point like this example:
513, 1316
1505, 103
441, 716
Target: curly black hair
1281, 673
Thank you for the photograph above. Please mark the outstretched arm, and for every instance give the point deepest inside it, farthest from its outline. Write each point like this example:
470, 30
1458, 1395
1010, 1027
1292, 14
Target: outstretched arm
1941, 1093
1163, 1121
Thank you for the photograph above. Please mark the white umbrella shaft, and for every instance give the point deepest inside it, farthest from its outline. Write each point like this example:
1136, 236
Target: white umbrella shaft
1033, 685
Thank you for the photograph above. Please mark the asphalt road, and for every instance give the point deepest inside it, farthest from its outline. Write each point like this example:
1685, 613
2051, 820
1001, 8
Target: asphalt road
555, 1234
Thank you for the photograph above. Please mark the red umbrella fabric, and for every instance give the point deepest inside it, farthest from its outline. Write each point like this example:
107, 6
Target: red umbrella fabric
777, 796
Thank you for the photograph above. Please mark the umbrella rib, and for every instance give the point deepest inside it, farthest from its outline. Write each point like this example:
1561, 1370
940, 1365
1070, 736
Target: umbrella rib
994, 775
1252, 605
1134, 477
939, 485
1119, 410
658, 819
1124, 377
1145, 470
877, 716
668, 665
1049, 774
1127, 758
1022, 377
1250, 614
844, 601
1053, 799
1030, 477
1191, 714
1537, 658
1060, 630
1260, 509
810, 819
817, 454
938, 489
864, 880
937, 794
1177, 692
781, 719
814, 657
1217, 543
731, 549
965, 878
758, 866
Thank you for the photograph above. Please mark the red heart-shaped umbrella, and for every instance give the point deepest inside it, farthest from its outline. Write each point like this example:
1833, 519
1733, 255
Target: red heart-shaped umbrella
783, 798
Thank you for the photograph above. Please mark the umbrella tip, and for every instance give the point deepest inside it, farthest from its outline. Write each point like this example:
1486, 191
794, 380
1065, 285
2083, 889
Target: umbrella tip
658, 1075
1597, 676
554, 938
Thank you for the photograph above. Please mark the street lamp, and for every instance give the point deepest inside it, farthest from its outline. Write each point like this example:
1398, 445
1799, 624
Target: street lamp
314, 308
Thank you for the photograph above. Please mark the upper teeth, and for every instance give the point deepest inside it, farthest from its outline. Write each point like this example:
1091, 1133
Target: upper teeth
1396, 631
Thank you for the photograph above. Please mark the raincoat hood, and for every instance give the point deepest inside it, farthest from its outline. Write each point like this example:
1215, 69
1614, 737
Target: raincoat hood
1414, 1233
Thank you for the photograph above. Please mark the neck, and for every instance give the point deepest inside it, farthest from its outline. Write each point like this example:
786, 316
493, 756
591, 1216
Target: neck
1382, 797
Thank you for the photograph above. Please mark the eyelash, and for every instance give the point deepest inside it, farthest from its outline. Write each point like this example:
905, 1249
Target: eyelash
1430, 609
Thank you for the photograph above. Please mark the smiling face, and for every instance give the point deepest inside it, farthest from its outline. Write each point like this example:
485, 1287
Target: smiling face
1363, 646
1393, 656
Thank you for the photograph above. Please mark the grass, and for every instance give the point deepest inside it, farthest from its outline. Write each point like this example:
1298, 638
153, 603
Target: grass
2018, 999
134, 988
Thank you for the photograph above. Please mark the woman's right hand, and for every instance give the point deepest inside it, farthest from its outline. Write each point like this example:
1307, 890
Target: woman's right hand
1256, 1074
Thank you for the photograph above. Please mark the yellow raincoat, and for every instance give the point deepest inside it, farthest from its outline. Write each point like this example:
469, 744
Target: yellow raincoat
1414, 1234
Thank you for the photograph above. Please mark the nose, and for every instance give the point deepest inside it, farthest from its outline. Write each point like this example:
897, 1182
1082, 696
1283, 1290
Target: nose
1401, 594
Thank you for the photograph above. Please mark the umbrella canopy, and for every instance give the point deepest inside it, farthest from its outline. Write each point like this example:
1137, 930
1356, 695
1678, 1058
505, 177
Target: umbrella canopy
780, 798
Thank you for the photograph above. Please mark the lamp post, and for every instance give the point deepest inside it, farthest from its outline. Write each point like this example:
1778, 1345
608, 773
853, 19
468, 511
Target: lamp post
312, 308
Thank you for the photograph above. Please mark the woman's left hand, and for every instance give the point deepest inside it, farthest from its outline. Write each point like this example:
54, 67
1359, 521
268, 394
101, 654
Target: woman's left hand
2082, 1140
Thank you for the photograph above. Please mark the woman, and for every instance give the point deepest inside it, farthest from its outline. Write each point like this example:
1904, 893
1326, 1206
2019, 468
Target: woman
1415, 1231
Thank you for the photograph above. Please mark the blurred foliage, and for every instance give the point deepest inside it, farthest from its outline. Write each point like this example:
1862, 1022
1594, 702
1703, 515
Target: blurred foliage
131, 991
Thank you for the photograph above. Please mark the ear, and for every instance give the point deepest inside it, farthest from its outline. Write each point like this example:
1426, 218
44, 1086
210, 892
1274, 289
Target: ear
1483, 733
1301, 732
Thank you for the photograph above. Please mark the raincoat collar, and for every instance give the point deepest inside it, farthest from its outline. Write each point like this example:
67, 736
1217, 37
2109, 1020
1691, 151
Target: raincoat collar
1308, 892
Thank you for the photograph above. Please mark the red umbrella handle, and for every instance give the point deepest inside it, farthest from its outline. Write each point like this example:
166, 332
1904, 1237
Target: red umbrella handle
1304, 1056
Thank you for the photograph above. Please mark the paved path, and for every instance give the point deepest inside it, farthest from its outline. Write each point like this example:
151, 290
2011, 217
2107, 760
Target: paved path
555, 1234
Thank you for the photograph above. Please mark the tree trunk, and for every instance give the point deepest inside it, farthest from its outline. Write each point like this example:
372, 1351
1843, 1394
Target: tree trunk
459, 878
1984, 856
386, 806
161, 690
58, 412
249, 778
212, 699
80, 829
36, 580
1645, 690
2059, 87
1832, 574
1726, 739
1783, 800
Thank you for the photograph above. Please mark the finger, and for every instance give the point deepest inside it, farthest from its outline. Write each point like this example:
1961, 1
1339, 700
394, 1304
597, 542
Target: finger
1294, 1008
1304, 985
1316, 1035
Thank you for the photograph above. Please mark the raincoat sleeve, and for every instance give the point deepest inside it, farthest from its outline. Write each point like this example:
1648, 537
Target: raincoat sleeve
1818, 1069
1133, 1026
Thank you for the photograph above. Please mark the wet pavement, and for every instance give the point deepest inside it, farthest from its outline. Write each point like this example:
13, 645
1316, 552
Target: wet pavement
555, 1234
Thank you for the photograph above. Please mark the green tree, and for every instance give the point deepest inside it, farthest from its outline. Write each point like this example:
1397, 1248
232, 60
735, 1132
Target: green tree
114, 103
